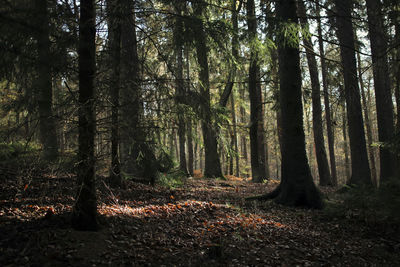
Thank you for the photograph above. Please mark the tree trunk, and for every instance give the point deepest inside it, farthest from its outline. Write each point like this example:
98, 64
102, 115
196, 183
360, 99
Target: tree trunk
346, 151
235, 136
367, 124
191, 155
84, 214
180, 90
114, 36
212, 161
360, 171
320, 152
47, 127
190, 146
257, 141
397, 74
131, 132
331, 137
297, 187
243, 140
383, 94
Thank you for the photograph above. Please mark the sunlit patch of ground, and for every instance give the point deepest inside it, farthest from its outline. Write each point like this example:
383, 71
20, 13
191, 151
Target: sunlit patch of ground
206, 222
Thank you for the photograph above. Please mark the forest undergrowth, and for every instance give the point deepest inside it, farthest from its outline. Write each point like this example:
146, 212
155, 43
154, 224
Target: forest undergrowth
198, 222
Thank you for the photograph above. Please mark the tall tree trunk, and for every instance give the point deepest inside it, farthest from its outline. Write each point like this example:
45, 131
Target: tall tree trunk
331, 137
180, 90
257, 141
131, 132
320, 152
190, 146
235, 54
383, 94
235, 136
212, 161
397, 73
345, 145
48, 133
360, 171
243, 141
297, 187
367, 123
114, 35
84, 214
191, 155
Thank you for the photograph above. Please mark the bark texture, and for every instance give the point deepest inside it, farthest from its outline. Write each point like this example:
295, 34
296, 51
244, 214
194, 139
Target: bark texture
297, 187
47, 126
114, 33
360, 171
329, 128
320, 152
212, 166
257, 140
383, 94
84, 214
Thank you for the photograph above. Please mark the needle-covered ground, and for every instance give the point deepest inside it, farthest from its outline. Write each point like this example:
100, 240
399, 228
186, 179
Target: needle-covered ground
203, 222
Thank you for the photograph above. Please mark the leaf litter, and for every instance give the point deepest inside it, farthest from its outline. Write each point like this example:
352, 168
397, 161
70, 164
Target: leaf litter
203, 223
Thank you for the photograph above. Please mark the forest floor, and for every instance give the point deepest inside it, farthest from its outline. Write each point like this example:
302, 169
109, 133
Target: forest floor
204, 222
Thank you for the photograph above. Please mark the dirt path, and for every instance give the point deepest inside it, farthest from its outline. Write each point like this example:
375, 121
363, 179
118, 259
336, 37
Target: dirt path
203, 223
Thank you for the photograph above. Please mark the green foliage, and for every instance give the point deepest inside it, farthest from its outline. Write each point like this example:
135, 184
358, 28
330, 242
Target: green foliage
172, 179
165, 161
289, 33
9, 151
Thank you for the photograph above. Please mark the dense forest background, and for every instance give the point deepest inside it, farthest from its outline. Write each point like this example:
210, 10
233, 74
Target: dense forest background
298, 97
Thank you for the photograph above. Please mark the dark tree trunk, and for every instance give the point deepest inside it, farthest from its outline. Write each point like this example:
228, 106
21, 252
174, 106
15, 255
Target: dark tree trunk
383, 94
47, 126
367, 124
131, 132
84, 214
180, 90
243, 141
397, 74
331, 137
190, 146
235, 137
257, 141
114, 36
235, 54
345, 145
212, 162
360, 171
320, 152
297, 187
191, 155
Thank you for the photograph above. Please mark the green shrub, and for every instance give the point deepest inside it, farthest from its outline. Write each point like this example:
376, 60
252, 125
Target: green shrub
9, 151
172, 179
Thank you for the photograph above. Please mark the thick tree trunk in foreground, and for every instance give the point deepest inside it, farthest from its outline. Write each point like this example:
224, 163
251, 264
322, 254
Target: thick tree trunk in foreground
212, 161
114, 33
360, 171
297, 187
47, 127
85, 209
257, 142
331, 137
383, 94
320, 152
